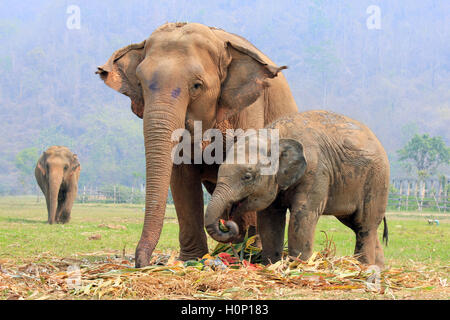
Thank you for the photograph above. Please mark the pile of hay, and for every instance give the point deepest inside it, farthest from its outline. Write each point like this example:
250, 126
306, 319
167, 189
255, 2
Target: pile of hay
229, 272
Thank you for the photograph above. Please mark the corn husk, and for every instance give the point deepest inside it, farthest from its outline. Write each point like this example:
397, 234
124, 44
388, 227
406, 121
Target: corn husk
230, 271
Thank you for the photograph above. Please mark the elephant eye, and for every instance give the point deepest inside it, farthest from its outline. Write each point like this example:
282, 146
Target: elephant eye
66, 167
196, 88
197, 85
247, 176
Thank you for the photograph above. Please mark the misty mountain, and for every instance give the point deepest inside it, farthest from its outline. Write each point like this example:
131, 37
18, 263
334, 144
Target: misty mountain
395, 77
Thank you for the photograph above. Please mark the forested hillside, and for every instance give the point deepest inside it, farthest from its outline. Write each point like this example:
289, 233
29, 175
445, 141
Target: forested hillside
395, 78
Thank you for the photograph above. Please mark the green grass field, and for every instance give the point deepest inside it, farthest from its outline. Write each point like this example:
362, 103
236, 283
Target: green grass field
24, 233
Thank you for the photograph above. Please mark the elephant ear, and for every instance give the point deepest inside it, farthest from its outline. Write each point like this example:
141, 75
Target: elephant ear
75, 164
244, 71
40, 165
119, 73
292, 163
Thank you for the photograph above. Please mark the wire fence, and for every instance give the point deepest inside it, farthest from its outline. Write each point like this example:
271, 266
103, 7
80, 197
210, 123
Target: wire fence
419, 195
405, 195
120, 194
113, 194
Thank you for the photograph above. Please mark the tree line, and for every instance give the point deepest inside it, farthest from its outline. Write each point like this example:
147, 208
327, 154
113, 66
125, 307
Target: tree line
395, 79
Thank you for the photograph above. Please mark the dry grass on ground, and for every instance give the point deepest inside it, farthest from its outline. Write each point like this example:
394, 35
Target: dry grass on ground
91, 258
106, 275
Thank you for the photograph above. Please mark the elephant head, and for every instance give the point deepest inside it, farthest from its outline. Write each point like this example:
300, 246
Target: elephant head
182, 73
243, 187
55, 170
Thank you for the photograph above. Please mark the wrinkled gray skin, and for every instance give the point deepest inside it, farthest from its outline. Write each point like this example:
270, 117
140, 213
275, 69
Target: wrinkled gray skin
328, 164
57, 172
182, 73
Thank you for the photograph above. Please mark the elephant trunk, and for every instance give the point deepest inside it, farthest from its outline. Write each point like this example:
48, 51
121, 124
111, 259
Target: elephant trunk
160, 121
217, 206
55, 180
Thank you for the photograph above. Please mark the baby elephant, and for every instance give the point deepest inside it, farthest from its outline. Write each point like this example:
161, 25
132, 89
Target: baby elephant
327, 164
57, 172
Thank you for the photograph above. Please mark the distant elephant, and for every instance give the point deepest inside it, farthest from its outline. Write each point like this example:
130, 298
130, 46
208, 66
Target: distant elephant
186, 72
57, 173
328, 164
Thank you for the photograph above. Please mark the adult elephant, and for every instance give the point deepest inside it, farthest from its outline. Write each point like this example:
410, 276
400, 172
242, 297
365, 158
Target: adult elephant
57, 172
182, 73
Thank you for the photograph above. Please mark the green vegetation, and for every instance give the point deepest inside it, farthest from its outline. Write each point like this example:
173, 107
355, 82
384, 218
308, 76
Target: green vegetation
425, 155
24, 232
388, 78
26, 163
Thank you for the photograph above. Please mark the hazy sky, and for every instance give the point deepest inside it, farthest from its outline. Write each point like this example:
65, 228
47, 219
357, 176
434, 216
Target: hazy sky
385, 63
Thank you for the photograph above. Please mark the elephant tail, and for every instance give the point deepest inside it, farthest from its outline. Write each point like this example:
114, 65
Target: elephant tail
385, 232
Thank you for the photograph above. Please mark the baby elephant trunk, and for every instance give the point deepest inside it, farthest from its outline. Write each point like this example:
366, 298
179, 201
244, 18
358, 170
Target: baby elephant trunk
222, 231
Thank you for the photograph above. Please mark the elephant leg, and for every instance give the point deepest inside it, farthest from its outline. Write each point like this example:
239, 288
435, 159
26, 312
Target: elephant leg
302, 226
305, 211
368, 248
187, 195
367, 242
369, 217
65, 208
271, 226
365, 246
45, 191
47, 202
374, 210
379, 254
61, 200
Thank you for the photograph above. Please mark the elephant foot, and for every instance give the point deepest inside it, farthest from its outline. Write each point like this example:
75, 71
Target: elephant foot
63, 218
142, 256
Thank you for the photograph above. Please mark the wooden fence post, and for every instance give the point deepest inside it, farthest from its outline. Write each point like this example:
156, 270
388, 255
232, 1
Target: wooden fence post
445, 182
400, 191
430, 193
408, 190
